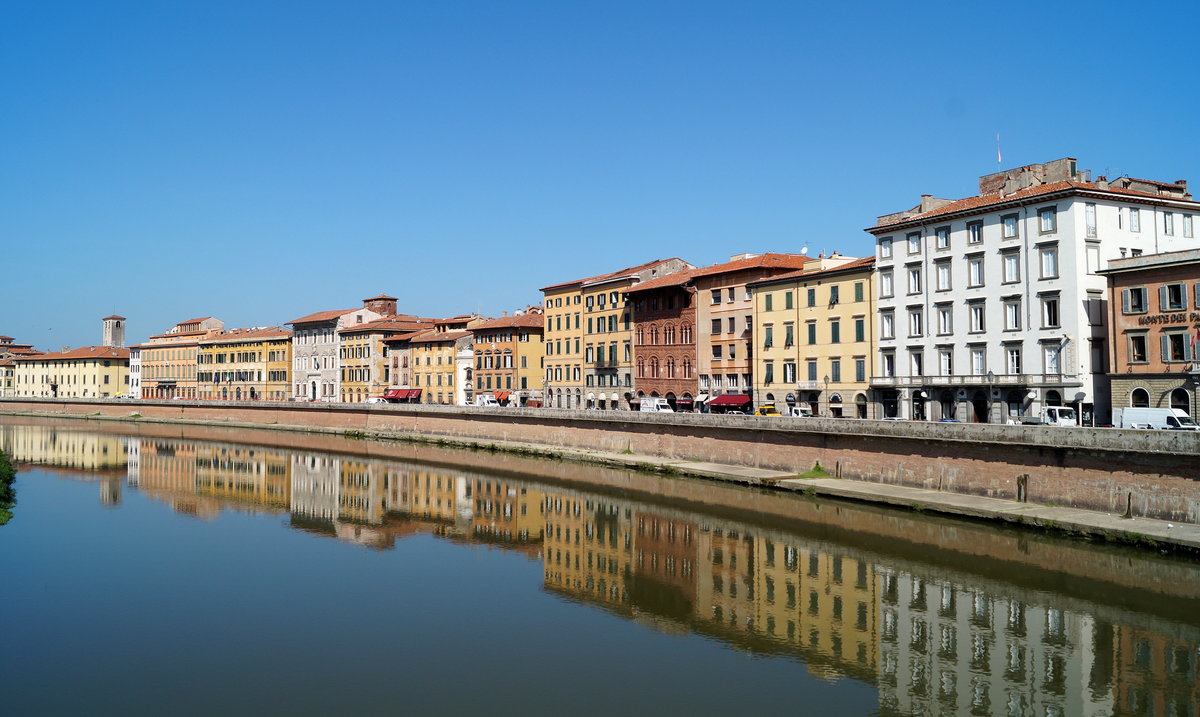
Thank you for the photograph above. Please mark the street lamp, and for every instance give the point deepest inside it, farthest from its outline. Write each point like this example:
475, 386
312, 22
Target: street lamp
991, 380
825, 395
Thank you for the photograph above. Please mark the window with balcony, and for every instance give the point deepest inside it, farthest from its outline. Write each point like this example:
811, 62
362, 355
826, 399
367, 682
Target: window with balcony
1013, 356
916, 363
946, 362
978, 362
1051, 356
812, 370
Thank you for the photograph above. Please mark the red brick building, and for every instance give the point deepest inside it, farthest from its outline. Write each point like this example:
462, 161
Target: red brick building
664, 348
1154, 315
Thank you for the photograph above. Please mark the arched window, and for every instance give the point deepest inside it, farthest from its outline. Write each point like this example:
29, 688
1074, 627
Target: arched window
1182, 400
653, 335
670, 367
669, 335
641, 336
654, 367
1139, 398
1053, 398
685, 334
641, 368
687, 368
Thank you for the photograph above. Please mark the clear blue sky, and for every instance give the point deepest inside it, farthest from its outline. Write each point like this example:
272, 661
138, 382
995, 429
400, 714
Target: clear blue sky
257, 161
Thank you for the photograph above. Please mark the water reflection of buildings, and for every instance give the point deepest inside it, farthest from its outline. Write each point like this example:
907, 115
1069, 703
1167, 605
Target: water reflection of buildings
77, 454
932, 640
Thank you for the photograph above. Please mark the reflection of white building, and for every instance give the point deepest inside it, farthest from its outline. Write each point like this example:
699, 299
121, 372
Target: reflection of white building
948, 649
315, 485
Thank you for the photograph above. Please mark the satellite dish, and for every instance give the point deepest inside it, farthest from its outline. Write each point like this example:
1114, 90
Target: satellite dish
804, 250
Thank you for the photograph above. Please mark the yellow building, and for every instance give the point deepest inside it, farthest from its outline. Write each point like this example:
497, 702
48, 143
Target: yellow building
88, 372
588, 549
7, 372
246, 365
509, 352
246, 476
9, 352
600, 300
814, 339
362, 358
169, 361
442, 361
78, 450
502, 512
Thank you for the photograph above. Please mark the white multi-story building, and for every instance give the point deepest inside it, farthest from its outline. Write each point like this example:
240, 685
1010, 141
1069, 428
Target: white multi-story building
990, 307
316, 374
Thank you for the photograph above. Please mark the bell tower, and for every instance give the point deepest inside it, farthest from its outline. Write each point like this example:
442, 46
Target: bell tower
114, 331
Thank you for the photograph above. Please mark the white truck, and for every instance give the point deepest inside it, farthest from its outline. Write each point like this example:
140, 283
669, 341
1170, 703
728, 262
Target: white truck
1052, 416
655, 405
1160, 418
488, 401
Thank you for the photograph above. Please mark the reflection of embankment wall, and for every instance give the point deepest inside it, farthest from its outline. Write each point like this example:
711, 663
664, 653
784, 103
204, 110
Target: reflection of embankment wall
1027, 558
1101, 469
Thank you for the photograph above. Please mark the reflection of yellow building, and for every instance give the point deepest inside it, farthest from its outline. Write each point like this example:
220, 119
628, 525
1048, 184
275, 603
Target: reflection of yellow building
588, 548
248, 476
360, 491
813, 337
246, 364
47, 446
505, 512
433, 495
88, 372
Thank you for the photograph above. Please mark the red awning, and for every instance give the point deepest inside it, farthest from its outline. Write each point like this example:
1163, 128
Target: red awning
414, 393
501, 395
396, 393
730, 399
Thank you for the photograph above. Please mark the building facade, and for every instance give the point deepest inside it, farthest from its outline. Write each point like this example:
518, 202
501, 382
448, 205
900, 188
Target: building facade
664, 351
252, 364
442, 359
991, 307
87, 372
567, 333
508, 357
1154, 312
813, 338
166, 363
363, 359
316, 347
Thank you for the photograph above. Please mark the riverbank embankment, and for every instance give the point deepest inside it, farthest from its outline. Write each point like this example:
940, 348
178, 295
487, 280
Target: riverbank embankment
1127, 486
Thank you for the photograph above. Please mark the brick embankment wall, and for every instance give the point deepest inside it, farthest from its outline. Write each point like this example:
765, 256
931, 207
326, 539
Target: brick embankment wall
1153, 474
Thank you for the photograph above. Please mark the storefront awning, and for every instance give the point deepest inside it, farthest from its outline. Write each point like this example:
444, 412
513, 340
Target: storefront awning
685, 399
396, 393
730, 399
414, 393
503, 395
702, 398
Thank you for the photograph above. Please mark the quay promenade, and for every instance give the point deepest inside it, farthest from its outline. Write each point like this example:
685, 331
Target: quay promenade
1133, 486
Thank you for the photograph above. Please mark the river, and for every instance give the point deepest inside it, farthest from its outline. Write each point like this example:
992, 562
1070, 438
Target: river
166, 570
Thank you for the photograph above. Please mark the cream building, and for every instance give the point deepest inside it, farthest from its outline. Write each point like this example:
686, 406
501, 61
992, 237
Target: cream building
316, 347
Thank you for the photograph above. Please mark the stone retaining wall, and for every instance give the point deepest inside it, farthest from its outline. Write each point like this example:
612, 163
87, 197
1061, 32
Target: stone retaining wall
1156, 473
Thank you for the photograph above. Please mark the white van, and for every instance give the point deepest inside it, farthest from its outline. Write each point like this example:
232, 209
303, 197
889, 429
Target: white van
655, 405
1052, 416
1161, 418
488, 401
799, 411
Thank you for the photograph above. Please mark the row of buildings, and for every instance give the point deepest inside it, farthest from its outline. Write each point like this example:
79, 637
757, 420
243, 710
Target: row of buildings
1046, 288
930, 639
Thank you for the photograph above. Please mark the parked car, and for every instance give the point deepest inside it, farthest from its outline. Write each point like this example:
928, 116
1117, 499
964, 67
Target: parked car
375, 399
767, 409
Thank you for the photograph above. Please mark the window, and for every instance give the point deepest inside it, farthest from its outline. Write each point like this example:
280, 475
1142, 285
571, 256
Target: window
1135, 219
915, 322
1134, 301
886, 287
812, 333
1012, 268
716, 296
835, 328
812, 297
887, 364
812, 370
732, 351
914, 243
1168, 223
835, 370
943, 276
1176, 347
768, 338
732, 326
1049, 261
1089, 218
946, 362
789, 335
1012, 356
789, 372
860, 329
1050, 312
975, 311
975, 271
834, 295
885, 248
860, 370
729, 295
1137, 348
767, 302
1187, 226
787, 300
1047, 220
917, 363
945, 320
768, 372
1172, 297
943, 237
858, 291
887, 325
716, 326
1008, 226
978, 362
717, 351
1051, 358
914, 280
1012, 315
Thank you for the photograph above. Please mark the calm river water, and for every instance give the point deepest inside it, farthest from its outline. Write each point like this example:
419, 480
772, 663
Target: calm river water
185, 571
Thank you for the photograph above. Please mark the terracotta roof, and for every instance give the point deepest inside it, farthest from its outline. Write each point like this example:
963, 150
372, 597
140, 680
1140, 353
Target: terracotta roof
404, 337
989, 200
6, 339
856, 265
522, 321
678, 278
192, 321
399, 322
83, 352
238, 335
762, 261
456, 319
114, 316
610, 275
25, 351
321, 316
8, 362
382, 296
432, 337
178, 335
